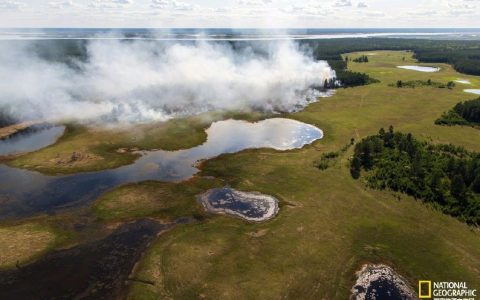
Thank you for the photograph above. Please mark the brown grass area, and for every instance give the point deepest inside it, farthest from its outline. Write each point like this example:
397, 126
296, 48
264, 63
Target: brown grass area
23, 242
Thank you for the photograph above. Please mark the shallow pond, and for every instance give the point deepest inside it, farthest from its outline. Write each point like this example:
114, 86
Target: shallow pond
251, 206
420, 68
381, 282
24, 192
34, 138
463, 81
472, 91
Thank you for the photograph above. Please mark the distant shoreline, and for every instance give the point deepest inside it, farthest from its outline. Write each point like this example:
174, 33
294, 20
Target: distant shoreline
233, 34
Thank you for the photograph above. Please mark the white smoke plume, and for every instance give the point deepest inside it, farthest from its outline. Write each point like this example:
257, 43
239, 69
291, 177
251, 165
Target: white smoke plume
142, 81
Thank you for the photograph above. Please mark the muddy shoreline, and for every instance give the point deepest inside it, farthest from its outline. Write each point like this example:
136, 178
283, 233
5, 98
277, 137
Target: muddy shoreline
250, 206
379, 281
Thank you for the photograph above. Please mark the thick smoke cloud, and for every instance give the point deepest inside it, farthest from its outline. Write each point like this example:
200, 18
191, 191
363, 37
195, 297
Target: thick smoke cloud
142, 81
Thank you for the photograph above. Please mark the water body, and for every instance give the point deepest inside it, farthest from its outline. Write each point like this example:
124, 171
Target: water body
420, 68
251, 206
235, 34
34, 138
24, 192
472, 91
463, 81
381, 282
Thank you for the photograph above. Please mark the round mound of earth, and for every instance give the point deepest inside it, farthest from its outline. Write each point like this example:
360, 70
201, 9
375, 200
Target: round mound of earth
251, 206
381, 282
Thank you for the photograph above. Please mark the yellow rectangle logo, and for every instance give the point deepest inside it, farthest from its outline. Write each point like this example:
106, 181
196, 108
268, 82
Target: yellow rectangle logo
424, 289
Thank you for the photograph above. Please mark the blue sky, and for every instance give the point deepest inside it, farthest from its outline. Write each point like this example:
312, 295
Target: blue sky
240, 13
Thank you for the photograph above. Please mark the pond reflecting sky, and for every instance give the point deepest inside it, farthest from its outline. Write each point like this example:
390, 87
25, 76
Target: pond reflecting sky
32, 139
24, 192
420, 68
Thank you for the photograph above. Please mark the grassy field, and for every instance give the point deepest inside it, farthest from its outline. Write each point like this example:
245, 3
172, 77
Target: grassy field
168, 201
21, 243
328, 223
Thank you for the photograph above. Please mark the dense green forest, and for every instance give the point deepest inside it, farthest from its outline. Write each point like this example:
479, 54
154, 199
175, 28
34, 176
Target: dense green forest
463, 55
351, 79
464, 113
445, 175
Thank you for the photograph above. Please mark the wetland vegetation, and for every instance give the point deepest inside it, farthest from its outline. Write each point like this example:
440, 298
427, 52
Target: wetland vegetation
228, 136
328, 224
330, 220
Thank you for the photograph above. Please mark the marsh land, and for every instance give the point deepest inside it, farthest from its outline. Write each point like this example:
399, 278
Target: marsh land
328, 225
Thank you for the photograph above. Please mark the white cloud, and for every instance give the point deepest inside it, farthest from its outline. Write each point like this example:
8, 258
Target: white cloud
310, 9
375, 14
238, 13
11, 5
110, 3
172, 5
342, 3
62, 4
362, 5
253, 2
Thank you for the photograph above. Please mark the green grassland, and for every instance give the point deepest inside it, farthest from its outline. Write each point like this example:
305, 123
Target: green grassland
164, 200
329, 224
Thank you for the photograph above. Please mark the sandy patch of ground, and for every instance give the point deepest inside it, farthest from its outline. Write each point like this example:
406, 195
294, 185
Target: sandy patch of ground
12, 129
19, 243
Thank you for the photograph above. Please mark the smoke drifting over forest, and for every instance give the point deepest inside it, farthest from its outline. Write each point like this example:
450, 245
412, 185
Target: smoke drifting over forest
142, 81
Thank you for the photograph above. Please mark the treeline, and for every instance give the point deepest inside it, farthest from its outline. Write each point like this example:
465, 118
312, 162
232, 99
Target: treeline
464, 113
361, 59
444, 175
346, 77
350, 79
420, 83
464, 56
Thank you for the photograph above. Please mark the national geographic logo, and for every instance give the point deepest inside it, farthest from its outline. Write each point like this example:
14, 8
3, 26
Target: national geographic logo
445, 290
